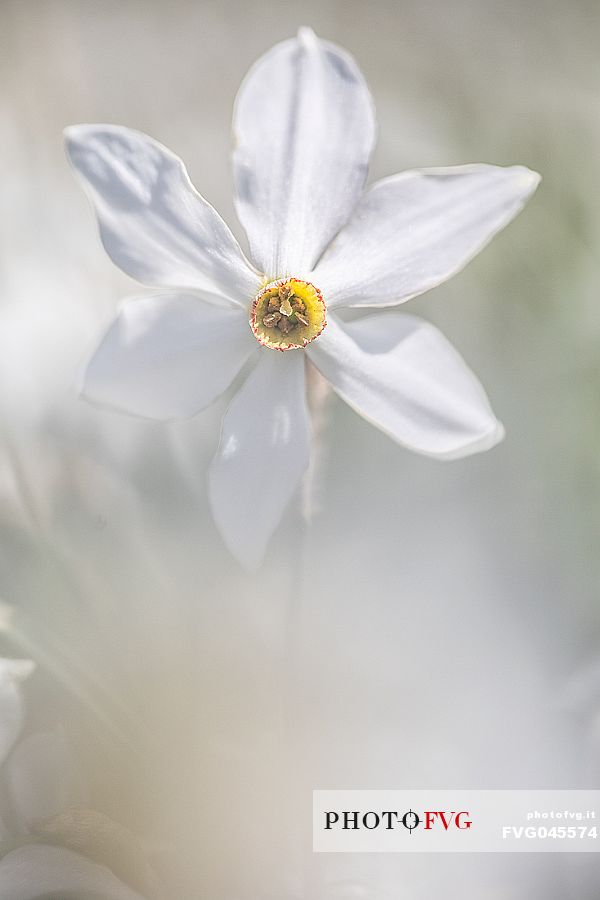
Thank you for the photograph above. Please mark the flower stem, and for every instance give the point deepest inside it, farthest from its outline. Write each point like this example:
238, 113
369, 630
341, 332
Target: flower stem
298, 790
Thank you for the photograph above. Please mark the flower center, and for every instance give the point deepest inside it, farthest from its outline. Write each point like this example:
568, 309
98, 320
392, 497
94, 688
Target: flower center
288, 314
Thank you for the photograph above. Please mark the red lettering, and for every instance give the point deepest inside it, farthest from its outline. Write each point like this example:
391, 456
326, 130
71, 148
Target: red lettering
430, 820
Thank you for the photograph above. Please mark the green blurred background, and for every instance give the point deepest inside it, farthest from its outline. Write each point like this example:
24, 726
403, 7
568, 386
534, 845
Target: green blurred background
441, 626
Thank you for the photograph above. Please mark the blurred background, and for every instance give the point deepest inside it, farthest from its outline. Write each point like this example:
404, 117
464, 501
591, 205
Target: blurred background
441, 626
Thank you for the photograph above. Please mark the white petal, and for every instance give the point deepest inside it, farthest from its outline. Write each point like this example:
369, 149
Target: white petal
402, 375
43, 779
153, 223
262, 455
12, 714
304, 126
413, 231
39, 871
168, 356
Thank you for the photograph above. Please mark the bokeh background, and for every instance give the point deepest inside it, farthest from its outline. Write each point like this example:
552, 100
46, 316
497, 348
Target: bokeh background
436, 624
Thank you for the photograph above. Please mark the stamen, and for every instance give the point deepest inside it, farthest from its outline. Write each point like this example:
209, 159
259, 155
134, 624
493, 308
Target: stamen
288, 315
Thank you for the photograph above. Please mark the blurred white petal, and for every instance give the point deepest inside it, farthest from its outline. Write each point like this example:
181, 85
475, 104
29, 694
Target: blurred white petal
153, 223
262, 455
415, 230
38, 871
12, 713
43, 779
402, 375
168, 356
304, 126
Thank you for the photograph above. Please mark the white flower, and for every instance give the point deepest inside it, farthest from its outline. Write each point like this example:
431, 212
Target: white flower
39, 871
40, 781
304, 130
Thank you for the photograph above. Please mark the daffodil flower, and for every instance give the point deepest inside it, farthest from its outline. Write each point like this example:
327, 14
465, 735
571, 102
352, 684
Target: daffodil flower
40, 871
304, 129
38, 783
